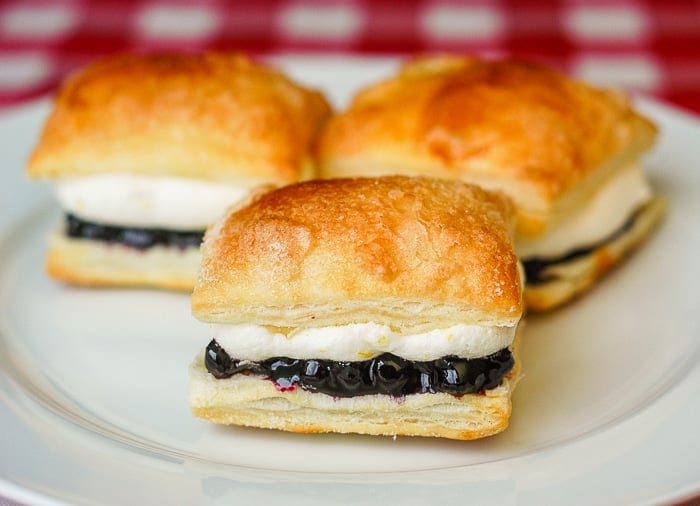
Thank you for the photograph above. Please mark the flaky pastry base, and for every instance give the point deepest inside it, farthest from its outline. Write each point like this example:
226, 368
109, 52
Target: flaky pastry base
98, 263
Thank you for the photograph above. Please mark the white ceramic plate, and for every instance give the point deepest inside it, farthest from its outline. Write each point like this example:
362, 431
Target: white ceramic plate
93, 382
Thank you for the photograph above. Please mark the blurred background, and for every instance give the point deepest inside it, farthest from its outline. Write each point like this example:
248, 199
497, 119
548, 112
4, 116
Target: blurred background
651, 47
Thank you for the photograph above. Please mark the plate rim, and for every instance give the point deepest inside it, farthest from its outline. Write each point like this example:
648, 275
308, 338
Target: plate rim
17, 492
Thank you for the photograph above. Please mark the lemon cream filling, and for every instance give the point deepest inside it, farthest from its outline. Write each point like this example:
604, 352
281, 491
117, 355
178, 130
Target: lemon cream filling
606, 212
129, 200
361, 341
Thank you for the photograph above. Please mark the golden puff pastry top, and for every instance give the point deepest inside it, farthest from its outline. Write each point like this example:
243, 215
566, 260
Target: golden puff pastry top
214, 116
547, 140
396, 250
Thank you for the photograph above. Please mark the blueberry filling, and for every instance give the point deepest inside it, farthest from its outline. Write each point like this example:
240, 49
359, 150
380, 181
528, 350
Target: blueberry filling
384, 374
139, 238
536, 267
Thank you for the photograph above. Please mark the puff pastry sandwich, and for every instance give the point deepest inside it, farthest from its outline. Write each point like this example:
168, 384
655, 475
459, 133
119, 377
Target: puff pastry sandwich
146, 150
566, 153
385, 306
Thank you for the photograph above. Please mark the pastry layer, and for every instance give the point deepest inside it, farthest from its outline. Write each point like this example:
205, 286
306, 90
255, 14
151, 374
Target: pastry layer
98, 263
546, 140
215, 116
399, 251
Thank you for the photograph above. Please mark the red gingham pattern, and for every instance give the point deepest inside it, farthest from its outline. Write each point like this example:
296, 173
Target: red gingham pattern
648, 46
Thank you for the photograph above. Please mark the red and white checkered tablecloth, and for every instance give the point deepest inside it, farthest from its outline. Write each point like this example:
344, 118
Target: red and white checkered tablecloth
647, 46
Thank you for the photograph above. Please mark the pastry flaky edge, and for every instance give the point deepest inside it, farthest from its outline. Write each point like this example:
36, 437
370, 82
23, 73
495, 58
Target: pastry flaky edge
414, 253
215, 116
99, 263
548, 141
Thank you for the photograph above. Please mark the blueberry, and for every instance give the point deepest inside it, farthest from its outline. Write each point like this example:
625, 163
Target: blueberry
183, 240
95, 231
73, 226
426, 382
217, 361
315, 375
348, 376
452, 375
137, 238
389, 374
284, 371
499, 364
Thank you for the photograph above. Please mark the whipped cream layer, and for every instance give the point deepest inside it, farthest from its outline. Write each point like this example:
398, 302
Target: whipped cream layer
361, 341
604, 214
148, 201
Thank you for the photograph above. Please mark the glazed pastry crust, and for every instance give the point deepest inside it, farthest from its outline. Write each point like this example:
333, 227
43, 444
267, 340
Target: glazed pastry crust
396, 250
575, 277
255, 402
96, 263
215, 116
546, 140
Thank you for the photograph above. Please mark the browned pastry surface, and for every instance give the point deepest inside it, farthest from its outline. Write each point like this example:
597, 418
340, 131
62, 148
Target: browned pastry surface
404, 251
546, 140
216, 116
